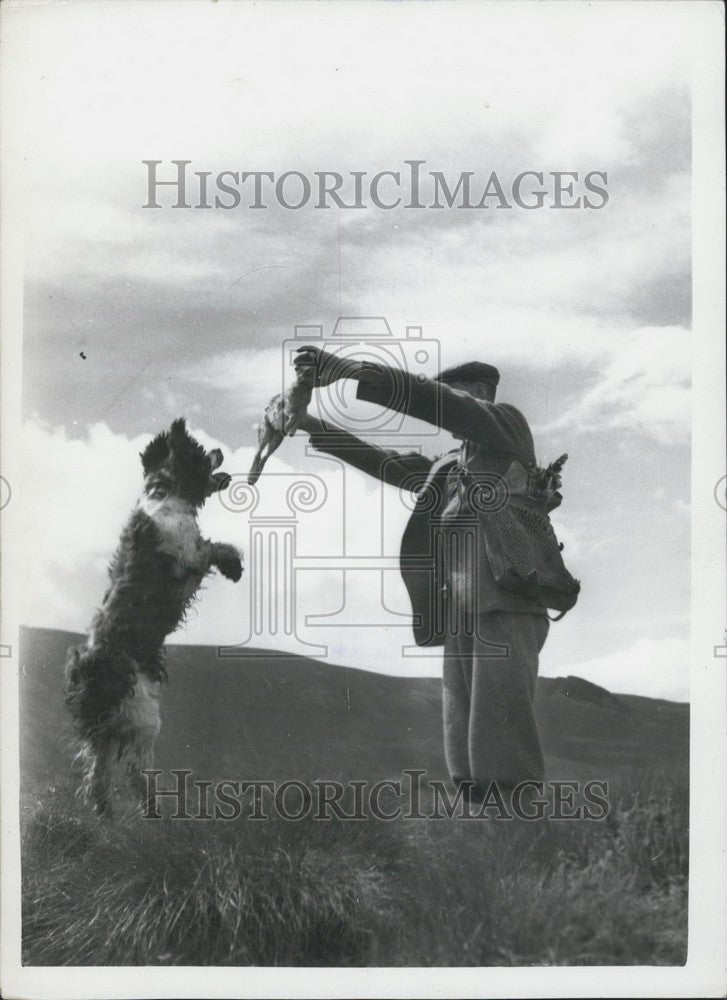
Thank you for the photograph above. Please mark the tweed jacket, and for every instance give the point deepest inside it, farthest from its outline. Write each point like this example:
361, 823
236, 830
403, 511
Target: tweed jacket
436, 574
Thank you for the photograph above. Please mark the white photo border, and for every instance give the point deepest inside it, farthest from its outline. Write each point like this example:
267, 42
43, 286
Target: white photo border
704, 972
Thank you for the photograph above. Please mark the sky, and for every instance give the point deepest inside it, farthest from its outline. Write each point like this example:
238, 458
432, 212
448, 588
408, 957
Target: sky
135, 316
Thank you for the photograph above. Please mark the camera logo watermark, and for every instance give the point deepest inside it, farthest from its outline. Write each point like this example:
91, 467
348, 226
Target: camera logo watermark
276, 563
369, 339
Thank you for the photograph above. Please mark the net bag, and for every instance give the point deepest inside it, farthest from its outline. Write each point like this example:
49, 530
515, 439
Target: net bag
526, 559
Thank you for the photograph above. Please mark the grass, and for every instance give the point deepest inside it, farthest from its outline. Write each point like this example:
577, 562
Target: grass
416, 893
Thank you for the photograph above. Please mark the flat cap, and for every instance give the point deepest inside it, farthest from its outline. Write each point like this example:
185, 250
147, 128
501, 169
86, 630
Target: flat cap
471, 371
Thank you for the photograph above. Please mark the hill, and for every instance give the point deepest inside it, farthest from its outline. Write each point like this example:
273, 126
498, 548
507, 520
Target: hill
276, 717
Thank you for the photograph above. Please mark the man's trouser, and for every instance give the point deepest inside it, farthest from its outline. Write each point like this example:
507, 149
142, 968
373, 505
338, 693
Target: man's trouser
490, 732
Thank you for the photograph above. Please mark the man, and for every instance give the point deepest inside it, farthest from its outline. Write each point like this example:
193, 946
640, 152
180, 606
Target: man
491, 637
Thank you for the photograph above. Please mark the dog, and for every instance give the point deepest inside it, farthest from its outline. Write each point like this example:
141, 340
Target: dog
113, 680
281, 417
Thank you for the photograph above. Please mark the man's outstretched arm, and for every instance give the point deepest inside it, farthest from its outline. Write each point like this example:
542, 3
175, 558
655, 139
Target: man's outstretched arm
409, 470
495, 426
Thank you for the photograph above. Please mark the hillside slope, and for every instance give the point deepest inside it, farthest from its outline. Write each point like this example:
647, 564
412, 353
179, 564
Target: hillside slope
282, 718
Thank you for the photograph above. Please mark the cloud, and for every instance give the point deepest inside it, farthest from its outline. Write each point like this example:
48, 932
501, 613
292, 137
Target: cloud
657, 129
254, 376
644, 388
186, 308
144, 292
76, 494
664, 299
385, 89
78, 491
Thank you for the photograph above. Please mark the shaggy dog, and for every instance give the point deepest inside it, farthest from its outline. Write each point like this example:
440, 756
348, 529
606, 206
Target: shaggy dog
113, 681
281, 417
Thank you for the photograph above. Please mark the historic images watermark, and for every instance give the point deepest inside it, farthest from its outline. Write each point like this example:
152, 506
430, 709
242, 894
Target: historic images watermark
173, 184
413, 796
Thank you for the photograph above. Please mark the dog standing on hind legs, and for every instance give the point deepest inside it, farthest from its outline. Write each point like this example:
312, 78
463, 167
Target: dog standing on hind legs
113, 680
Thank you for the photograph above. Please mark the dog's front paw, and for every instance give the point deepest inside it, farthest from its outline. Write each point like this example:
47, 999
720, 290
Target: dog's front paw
229, 562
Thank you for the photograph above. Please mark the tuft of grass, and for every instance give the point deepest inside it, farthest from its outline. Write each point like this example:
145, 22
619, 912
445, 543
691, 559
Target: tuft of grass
145, 893
417, 893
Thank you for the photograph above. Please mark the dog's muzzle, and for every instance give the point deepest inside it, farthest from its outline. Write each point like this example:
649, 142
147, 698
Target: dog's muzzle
219, 481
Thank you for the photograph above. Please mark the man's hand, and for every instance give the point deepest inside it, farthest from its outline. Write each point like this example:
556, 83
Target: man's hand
328, 367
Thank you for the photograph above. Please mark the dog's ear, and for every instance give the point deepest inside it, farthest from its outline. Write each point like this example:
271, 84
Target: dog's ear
155, 453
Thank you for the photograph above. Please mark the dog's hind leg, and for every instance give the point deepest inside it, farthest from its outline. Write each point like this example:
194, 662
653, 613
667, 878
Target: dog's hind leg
97, 783
141, 712
140, 783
